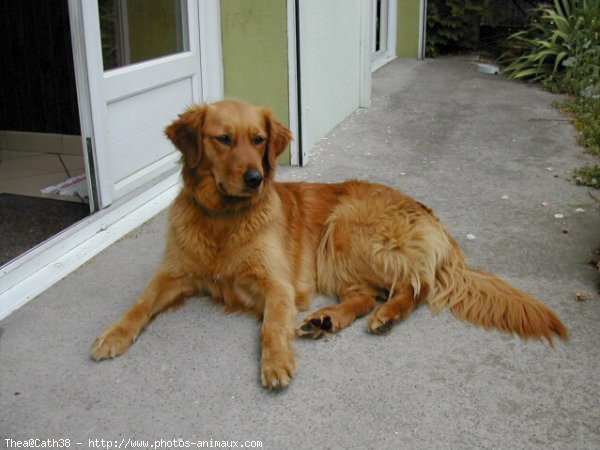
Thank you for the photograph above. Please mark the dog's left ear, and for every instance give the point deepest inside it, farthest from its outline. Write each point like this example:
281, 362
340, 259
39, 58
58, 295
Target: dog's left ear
279, 137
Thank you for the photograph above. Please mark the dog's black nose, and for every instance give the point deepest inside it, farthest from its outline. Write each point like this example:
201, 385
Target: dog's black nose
253, 178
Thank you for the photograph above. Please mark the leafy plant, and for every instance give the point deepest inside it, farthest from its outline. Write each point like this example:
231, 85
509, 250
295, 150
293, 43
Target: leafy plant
585, 113
453, 25
588, 176
561, 48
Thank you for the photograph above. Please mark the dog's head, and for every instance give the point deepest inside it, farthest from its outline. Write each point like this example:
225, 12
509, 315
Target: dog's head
230, 150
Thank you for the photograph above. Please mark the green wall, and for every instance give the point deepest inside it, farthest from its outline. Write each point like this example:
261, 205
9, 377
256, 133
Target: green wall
255, 54
407, 40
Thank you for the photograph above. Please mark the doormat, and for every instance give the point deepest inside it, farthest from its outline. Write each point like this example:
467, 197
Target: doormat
28, 221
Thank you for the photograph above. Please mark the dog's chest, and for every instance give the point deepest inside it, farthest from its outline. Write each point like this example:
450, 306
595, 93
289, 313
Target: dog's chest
226, 270
211, 256
215, 257
227, 255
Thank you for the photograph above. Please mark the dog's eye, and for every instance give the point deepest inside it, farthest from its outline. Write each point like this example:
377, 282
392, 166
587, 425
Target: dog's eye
258, 140
224, 139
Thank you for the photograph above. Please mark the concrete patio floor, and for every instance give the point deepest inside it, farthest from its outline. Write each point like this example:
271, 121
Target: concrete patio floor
455, 139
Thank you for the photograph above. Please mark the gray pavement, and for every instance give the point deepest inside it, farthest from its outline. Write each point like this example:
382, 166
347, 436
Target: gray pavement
459, 141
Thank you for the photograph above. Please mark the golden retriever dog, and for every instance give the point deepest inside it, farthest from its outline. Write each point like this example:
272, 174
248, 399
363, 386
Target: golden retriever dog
266, 247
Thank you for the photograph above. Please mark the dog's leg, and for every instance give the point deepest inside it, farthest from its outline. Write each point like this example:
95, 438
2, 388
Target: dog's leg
355, 302
278, 363
397, 308
162, 291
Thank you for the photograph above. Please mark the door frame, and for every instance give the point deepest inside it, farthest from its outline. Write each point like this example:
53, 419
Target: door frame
389, 53
298, 154
33, 272
422, 29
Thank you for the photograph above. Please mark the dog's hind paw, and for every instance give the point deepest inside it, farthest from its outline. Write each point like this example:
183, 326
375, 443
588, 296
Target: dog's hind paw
376, 326
315, 327
329, 319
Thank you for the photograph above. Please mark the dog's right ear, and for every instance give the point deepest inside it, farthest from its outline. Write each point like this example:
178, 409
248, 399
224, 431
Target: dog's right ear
186, 134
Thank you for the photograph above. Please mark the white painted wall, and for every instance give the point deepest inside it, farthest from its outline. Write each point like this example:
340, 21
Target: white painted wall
330, 60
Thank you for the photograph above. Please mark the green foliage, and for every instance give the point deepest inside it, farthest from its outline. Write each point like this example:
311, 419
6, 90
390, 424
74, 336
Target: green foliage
585, 112
561, 47
588, 176
453, 25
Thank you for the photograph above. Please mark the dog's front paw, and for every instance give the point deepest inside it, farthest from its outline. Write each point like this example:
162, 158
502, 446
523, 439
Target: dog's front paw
277, 369
113, 342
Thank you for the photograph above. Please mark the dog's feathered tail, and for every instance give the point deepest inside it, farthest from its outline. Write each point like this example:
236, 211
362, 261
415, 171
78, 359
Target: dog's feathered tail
485, 300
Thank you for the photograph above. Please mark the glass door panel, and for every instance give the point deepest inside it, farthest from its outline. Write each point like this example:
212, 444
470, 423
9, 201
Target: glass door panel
133, 31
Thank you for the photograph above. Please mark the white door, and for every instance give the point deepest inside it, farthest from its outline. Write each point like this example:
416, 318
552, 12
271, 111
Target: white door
142, 60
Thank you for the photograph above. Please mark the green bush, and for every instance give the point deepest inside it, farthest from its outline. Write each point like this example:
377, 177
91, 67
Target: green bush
453, 25
585, 112
561, 48
588, 176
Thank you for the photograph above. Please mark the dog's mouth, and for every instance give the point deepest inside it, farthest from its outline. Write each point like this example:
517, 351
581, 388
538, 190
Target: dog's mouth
238, 195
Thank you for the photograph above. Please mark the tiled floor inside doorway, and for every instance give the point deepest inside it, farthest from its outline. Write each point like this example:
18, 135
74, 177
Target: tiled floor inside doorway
30, 162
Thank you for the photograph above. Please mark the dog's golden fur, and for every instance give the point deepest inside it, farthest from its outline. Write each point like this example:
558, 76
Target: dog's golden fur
268, 249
